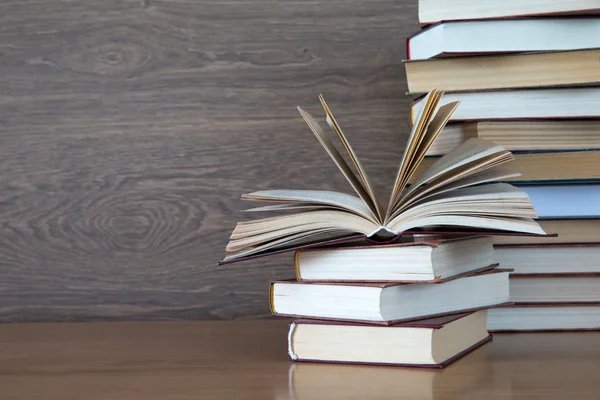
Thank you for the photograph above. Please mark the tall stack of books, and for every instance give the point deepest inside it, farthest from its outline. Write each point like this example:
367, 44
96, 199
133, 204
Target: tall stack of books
527, 74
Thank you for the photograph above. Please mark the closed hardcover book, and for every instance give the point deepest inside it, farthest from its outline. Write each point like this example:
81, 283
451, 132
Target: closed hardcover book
571, 231
546, 103
504, 36
566, 201
520, 317
432, 343
561, 68
552, 167
423, 261
447, 10
550, 259
533, 135
574, 288
387, 303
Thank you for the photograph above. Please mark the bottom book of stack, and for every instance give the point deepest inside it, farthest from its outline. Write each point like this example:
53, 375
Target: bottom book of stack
432, 342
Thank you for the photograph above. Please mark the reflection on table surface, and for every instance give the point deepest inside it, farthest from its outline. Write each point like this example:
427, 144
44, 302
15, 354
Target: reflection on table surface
248, 360
307, 380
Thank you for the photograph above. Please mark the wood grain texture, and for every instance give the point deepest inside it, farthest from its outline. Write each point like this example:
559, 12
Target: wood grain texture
248, 360
129, 130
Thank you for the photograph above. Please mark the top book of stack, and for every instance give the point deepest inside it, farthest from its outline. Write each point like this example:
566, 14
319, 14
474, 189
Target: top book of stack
431, 11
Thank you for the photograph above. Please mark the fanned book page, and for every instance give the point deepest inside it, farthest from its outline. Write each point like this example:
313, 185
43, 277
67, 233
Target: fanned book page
462, 190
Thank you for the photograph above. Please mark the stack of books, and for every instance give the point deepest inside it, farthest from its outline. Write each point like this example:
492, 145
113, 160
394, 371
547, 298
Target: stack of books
414, 304
527, 74
400, 301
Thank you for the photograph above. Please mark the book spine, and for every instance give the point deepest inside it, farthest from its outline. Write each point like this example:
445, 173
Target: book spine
297, 265
272, 298
291, 330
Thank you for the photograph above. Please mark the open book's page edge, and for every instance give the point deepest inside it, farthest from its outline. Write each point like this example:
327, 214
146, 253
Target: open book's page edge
366, 240
300, 246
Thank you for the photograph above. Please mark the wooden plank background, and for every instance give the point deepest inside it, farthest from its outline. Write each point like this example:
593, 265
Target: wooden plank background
129, 129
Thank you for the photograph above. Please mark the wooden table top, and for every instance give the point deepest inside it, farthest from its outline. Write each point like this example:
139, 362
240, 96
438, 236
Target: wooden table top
248, 360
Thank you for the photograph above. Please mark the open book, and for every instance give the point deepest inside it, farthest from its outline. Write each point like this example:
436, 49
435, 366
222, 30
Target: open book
461, 189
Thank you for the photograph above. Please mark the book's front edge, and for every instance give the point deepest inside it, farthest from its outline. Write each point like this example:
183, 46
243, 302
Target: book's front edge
436, 366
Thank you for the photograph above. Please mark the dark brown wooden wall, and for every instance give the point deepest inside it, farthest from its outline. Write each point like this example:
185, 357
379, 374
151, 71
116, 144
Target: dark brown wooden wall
129, 129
